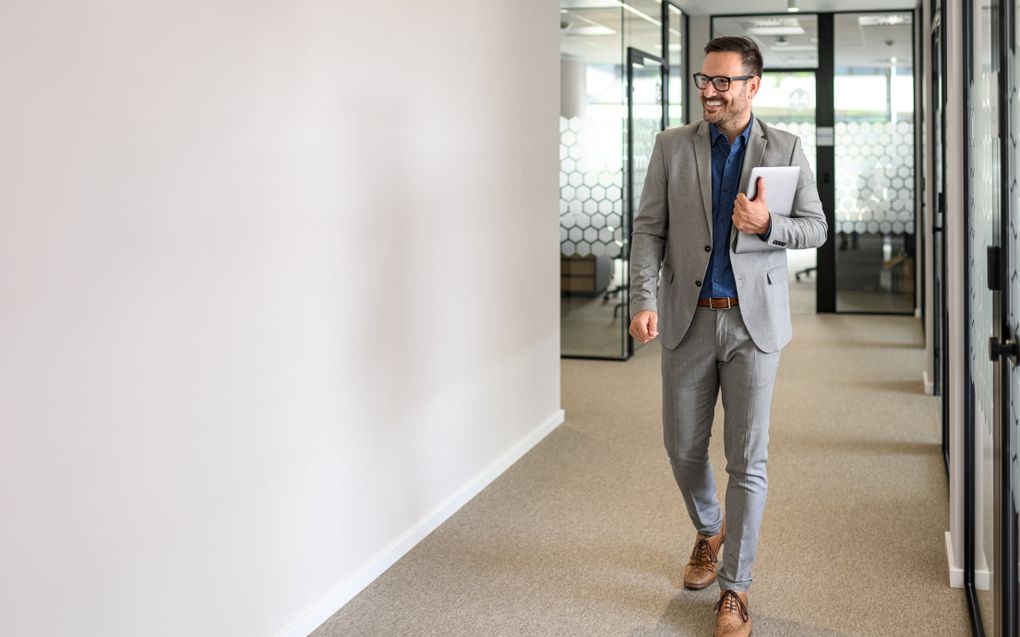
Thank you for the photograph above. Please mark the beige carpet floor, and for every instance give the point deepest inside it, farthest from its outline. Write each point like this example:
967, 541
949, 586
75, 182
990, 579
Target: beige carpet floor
587, 534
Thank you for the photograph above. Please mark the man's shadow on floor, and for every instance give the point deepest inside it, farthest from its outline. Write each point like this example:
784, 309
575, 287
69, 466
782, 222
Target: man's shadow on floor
692, 614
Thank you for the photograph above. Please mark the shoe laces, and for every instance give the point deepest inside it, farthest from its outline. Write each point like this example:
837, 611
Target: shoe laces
734, 605
703, 552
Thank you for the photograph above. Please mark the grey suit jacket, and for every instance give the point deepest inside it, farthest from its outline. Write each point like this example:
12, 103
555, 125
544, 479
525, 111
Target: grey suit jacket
673, 228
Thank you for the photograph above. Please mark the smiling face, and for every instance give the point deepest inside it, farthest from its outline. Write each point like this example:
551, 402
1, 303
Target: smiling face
729, 110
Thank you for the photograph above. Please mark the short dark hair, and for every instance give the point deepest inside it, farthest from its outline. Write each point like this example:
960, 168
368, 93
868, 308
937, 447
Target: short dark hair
750, 54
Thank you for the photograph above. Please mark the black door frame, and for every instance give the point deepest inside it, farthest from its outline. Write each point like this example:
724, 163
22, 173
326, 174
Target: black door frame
633, 56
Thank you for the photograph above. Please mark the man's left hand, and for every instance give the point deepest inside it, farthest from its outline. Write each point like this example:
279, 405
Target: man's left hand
752, 216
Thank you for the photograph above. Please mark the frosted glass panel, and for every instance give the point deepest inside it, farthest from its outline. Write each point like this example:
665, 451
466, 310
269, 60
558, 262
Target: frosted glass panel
874, 163
596, 41
984, 214
1011, 248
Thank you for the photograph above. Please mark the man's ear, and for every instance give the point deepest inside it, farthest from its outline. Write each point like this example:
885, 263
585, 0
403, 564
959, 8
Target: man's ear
752, 86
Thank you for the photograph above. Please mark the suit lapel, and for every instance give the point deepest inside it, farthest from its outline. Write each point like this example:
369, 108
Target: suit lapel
703, 155
753, 156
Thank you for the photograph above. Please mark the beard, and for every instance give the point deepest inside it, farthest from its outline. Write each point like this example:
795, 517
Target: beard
727, 114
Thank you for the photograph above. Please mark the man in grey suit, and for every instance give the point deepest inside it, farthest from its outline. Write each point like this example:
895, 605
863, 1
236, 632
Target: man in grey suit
723, 315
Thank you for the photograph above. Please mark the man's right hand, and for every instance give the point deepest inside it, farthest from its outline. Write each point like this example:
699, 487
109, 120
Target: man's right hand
645, 326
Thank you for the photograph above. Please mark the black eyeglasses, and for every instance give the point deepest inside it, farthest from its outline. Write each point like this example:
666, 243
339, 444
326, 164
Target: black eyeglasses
720, 82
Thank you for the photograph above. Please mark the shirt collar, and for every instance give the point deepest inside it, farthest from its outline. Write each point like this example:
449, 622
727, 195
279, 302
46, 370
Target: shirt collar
716, 133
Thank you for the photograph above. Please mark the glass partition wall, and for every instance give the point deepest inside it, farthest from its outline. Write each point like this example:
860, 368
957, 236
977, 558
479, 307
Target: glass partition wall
874, 134
1010, 271
848, 91
622, 75
983, 206
992, 250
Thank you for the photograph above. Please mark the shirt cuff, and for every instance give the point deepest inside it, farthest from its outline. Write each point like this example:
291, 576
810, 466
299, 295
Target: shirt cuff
765, 236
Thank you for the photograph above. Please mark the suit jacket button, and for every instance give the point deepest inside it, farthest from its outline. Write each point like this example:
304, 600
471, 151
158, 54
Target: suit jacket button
708, 248
697, 283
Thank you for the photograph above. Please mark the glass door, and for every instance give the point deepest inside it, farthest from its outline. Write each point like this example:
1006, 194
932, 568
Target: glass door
874, 135
1006, 349
983, 180
620, 66
787, 100
646, 117
940, 317
1010, 271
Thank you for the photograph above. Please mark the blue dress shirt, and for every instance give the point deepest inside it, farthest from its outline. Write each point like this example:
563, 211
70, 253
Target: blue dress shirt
727, 160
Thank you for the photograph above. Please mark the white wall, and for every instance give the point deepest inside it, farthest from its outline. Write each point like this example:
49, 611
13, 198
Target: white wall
278, 281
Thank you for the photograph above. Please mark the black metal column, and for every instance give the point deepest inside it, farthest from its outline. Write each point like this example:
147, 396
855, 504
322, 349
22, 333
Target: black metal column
825, 116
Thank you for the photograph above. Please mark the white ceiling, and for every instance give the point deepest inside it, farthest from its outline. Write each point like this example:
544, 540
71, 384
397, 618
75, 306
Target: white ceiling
857, 44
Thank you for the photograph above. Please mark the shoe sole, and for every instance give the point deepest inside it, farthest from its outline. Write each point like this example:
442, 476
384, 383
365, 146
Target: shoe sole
701, 587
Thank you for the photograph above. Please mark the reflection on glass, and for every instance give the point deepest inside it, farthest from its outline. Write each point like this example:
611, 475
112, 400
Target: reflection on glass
594, 43
646, 112
677, 72
874, 137
1011, 248
642, 22
984, 212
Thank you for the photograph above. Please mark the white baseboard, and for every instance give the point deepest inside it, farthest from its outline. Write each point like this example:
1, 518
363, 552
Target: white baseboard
982, 576
378, 565
929, 384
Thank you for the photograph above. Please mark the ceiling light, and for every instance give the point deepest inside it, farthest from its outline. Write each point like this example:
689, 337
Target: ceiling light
643, 16
797, 48
793, 6
774, 26
591, 27
777, 30
884, 20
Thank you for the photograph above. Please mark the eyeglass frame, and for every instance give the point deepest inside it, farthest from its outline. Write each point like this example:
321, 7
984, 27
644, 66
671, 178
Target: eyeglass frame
710, 79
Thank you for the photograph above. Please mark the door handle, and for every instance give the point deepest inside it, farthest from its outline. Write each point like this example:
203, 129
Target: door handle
1008, 348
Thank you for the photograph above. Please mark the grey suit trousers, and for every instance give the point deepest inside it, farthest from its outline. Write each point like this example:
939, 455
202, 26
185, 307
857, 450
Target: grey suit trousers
717, 353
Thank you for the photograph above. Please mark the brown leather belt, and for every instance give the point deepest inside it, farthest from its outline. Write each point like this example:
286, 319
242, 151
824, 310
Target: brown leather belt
718, 303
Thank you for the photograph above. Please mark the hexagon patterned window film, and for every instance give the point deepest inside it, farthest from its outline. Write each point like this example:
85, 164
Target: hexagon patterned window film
874, 163
590, 204
600, 87
592, 127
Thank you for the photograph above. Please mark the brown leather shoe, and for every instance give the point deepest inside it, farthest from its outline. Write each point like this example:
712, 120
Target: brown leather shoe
732, 617
700, 569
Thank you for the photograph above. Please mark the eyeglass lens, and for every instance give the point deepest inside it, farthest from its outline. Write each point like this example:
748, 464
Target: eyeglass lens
720, 83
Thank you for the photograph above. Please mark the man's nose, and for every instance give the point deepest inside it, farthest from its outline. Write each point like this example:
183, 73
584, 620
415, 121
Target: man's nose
709, 90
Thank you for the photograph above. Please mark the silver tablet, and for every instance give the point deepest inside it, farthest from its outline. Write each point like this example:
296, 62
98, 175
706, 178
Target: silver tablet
780, 190
780, 187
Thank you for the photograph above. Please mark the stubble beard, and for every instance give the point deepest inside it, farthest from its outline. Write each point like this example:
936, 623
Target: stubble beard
726, 117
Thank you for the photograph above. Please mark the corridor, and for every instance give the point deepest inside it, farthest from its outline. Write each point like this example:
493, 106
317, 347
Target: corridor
586, 535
